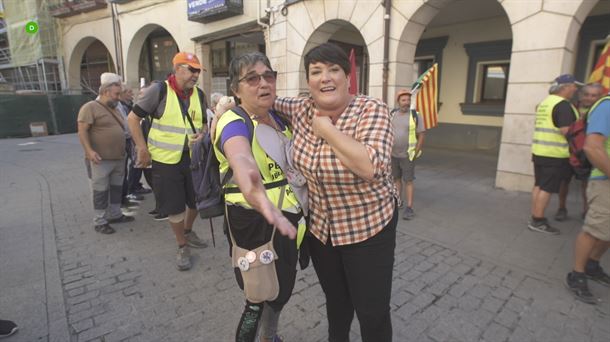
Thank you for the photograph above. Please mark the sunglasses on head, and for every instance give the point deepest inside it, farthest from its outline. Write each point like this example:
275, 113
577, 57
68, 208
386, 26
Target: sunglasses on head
191, 69
254, 79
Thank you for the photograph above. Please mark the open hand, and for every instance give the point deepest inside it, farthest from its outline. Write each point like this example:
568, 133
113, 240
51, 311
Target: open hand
143, 158
94, 157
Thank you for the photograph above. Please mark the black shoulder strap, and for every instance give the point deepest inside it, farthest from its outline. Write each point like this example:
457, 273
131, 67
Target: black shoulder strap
248, 121
204, 105
415, 117
162, 90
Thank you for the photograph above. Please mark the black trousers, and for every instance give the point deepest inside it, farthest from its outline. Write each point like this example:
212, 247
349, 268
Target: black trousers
357, 278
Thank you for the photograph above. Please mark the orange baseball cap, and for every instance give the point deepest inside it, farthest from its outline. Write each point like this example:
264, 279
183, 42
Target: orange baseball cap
187, 58
402, 92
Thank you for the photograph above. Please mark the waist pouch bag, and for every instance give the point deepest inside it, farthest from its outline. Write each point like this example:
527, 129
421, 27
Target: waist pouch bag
257, 267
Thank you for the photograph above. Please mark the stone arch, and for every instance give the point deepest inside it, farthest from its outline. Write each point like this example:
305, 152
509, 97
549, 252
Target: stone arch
75, 58
349, 34
135, 49
312, 22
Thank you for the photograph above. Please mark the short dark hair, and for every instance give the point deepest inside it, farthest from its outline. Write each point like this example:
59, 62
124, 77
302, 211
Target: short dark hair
245, 61
327, 53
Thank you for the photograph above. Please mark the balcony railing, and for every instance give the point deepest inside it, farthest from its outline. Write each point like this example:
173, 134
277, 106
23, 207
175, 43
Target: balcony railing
67, 8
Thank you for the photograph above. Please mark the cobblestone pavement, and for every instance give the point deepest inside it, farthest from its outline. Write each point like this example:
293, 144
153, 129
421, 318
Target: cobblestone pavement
61, 281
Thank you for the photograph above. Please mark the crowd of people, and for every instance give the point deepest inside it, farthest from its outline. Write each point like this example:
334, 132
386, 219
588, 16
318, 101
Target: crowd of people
556, 116
318, 177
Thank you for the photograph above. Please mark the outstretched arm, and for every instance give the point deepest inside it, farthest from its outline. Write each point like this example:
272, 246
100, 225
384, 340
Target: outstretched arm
247, 177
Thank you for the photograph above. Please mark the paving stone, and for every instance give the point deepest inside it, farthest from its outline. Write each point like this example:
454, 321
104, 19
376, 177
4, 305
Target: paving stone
496, 333
492, 304
521, 335
507, 318
516, 304
469, 303
82, 325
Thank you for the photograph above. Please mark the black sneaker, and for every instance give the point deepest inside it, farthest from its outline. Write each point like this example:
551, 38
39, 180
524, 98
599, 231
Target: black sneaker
542, 227
127, 204
599, 276
160, 217
122, 219
577, 284
104, 228
153, 212
142, 191
7, 328
561, 215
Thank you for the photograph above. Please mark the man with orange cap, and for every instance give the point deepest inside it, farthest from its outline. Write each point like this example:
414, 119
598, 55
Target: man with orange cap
409, 135
177, 109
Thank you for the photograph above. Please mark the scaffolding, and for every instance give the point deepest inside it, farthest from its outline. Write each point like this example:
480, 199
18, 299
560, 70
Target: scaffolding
28, 61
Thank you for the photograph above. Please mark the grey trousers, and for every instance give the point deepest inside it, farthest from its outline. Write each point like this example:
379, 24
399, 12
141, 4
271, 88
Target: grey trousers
106, 186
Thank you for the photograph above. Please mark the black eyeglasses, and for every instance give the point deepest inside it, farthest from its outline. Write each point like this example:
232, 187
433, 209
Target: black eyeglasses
191, 69
254, 79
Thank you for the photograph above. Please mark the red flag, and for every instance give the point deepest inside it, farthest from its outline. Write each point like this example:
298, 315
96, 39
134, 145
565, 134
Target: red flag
353, 82
601, 72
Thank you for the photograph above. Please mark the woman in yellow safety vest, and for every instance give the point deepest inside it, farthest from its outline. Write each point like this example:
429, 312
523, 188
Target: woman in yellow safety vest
258, 196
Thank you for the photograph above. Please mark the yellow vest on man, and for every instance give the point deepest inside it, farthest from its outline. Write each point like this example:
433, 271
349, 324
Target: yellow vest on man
548, 140
412, 137
168, 134
270, 171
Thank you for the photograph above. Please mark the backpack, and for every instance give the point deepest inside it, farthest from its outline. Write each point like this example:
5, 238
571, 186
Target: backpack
577, 133
209, 194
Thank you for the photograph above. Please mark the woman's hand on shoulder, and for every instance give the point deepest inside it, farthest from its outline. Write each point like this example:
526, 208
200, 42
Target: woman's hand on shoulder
224, 104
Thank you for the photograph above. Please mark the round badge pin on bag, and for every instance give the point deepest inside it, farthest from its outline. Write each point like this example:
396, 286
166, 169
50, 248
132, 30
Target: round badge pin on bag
243, 264
266, 257
251, 256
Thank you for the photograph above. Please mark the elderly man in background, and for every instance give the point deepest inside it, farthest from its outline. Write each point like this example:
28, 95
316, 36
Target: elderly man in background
101, 131
178, 112
550, 152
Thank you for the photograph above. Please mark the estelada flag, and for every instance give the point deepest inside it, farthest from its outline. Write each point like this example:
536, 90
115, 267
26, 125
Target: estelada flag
601, 72
425, 93
353, 82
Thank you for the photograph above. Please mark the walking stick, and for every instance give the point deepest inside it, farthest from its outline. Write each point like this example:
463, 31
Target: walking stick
212, 229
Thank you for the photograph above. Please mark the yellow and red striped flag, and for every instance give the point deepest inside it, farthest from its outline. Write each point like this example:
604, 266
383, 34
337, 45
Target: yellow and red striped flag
425, 94
601, 72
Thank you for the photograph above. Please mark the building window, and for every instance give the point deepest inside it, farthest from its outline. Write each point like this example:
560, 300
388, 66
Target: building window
592, 37
428, 52
420, 66
494, 82
487, 81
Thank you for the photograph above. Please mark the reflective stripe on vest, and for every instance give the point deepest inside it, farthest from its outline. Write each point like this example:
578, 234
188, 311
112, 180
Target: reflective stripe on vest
269, 169
168, 134
548, 140
597, 173
412, 137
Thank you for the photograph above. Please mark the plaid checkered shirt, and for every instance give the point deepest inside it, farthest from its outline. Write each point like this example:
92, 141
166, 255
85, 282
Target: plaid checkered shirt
342, 205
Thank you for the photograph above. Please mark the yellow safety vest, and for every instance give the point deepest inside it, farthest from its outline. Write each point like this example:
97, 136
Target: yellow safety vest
412, 137
597, 173
167, 134
270, 171
548, 140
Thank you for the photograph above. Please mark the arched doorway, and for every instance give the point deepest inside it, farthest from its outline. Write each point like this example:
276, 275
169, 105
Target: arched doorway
90, 58
150, 54
471, 40
592, 37
346, 36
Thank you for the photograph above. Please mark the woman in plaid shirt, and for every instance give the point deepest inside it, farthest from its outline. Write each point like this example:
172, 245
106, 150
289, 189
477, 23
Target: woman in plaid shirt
342, 145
